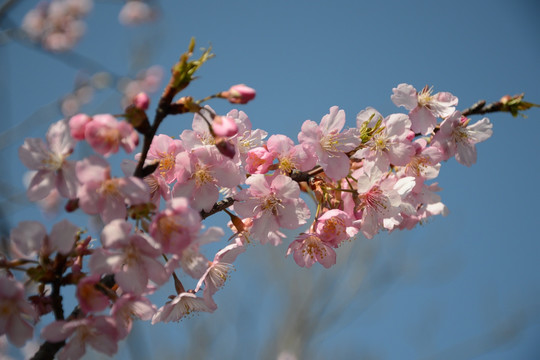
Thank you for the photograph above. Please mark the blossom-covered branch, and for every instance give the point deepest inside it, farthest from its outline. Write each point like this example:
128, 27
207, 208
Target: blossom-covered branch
378, 175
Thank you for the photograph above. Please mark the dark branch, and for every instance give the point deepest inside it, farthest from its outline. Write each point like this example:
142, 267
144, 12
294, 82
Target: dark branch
219, 206
480, 108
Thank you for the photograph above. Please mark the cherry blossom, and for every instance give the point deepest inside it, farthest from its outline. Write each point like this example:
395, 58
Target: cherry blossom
157, 186
177, 226
425, 163
309, 248
290, 157
49, 160
224, 126
259, 160
424, 107
164, 149
106, 196
30, 238
91, 298
246, 138
218, 271
131, 257
457, 138
127, 307
199, 135
15, 312
106, 134
272, 202
379, 200
77, 125
200, 175
136, 13
328, 144
334, 226
390, 144
100, 332
58, 23
186, 303
426, 201
193, 262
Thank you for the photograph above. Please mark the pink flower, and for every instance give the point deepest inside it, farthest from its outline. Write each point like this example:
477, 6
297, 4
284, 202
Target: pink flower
106, 196
91, 299
246, 139
176, 227
201, 173
224, 126
130, 306
239, 94
309, 248
156, 184
53, 170
390, 143
424, 107
164, 149
334, 226
200, 134
272, 202
218, 270
328, 144
57, 24
77, 125
380, 200
259, 160
100, 332
131, 257
426, 202
425, 163
141, 101
136, 13
193, 262
186, 303
30, 238
15, 312
457, 138
106, 134
290, 156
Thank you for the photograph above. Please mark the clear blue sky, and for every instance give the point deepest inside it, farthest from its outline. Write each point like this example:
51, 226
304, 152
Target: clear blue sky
459, 285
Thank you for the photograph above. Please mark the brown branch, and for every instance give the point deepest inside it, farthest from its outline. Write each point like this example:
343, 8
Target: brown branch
219, 206
47, 350
512, 104
480, 108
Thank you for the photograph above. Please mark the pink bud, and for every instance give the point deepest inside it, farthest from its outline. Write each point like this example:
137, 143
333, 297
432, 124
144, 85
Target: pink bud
77, 125
141, 101
224, 126
240, 94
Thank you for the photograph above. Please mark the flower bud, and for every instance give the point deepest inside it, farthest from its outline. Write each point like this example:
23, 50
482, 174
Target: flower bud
239, 94
72, 205
224, 126
77, 124
141, 101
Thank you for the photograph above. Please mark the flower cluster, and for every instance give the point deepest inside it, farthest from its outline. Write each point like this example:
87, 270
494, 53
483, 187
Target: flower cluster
375, 176
58, 24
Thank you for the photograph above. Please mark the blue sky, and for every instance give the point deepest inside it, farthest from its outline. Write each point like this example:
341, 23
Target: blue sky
458, 287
